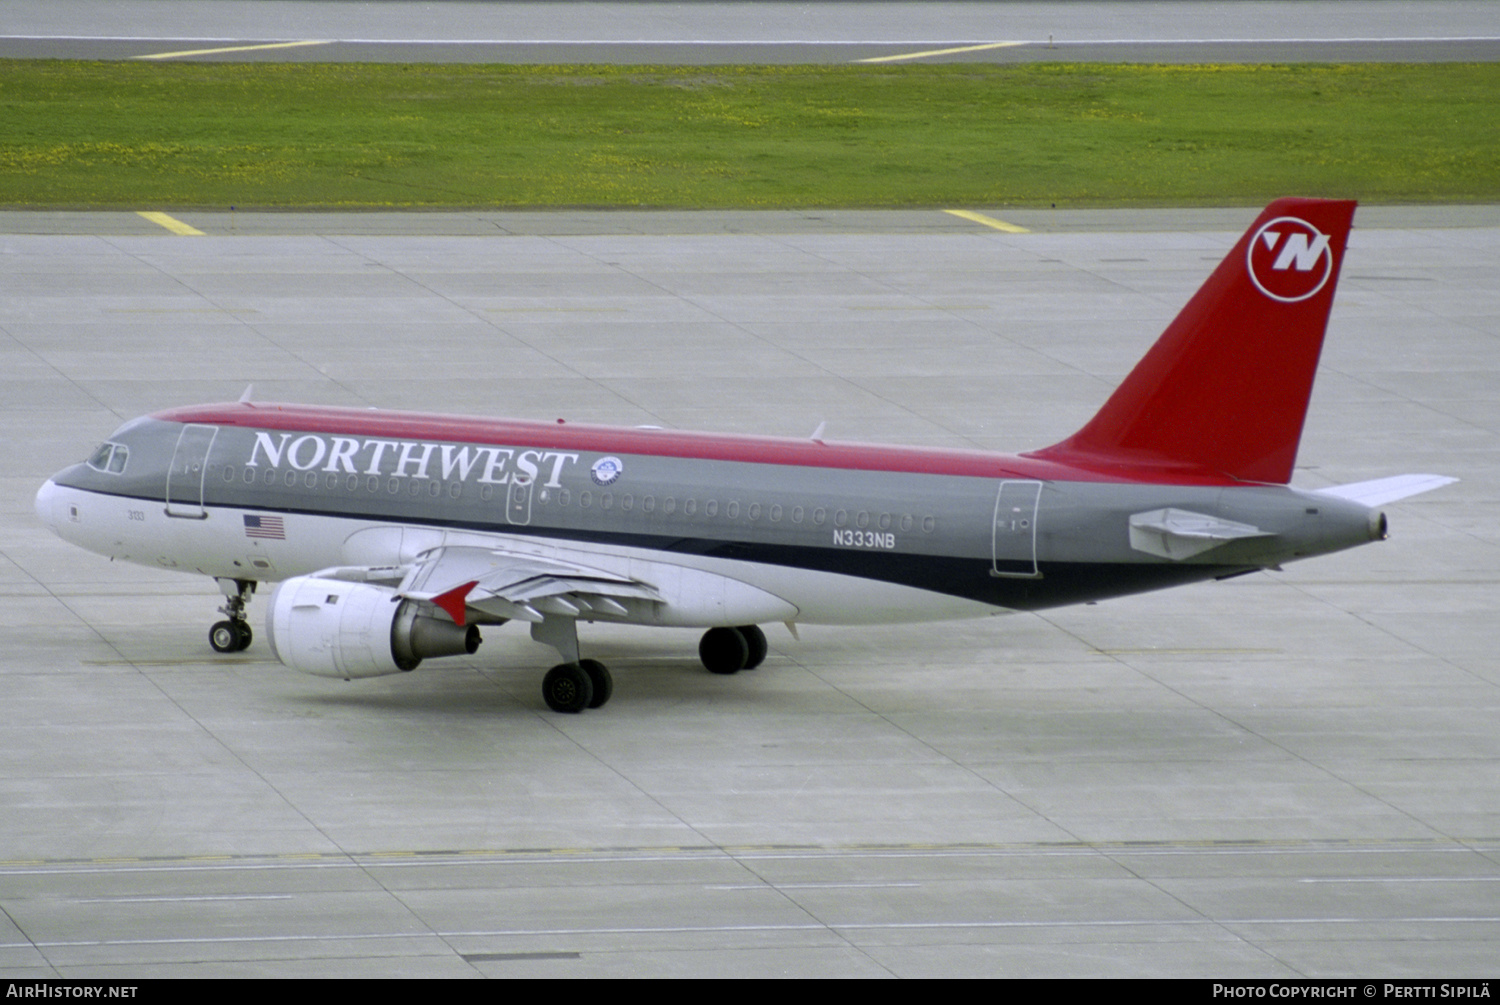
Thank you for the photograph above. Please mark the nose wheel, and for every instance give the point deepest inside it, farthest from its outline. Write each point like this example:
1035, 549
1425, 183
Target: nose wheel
230, 636
234, 635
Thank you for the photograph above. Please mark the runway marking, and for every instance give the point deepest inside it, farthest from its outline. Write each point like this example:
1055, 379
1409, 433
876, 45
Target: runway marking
799, 42
233, 48
1404, 879
814, 886
182, 900
919, 307
852, 926
174, 225
465, 857
988, 221
231, 662
506, 957
940, 52
1185, 652
554, 310
179, 310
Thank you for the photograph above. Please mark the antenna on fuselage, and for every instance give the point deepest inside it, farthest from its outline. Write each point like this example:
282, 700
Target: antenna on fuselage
245, 398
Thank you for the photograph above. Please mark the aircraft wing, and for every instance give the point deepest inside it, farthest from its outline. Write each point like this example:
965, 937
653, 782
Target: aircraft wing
503, 584
1384, 490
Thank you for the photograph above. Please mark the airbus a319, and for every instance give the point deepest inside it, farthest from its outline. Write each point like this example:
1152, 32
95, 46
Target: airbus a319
395, 536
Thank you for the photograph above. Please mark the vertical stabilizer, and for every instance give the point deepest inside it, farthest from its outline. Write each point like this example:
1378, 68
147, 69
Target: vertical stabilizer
1224, 390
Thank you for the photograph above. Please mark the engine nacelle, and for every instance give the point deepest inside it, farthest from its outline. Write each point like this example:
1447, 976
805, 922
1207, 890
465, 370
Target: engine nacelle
338, 629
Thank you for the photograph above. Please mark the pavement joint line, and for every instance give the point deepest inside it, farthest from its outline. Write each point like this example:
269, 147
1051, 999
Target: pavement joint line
173, 224
988, 221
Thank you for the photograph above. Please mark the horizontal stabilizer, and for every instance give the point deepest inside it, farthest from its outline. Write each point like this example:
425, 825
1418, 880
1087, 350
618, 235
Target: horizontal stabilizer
1179, 534
1385, 490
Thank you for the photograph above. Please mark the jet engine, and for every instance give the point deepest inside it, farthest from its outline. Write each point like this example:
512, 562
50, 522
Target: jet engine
334, 628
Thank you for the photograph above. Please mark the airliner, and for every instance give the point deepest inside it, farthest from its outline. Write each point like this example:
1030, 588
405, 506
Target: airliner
394, 537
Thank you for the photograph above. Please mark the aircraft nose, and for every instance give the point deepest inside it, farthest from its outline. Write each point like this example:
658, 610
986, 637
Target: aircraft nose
46, 504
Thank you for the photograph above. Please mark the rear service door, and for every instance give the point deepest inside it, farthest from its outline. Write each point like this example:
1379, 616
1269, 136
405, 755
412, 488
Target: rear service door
1014, 543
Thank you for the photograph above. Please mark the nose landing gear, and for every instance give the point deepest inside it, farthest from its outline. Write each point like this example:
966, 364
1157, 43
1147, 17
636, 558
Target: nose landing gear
234, 635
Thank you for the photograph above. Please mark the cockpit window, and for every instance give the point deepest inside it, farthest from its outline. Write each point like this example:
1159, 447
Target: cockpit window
110, 458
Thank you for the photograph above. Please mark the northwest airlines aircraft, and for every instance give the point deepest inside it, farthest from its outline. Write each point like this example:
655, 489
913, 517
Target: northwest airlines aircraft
394, 536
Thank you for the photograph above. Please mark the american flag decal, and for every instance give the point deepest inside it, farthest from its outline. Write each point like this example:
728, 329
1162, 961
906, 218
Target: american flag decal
270, 528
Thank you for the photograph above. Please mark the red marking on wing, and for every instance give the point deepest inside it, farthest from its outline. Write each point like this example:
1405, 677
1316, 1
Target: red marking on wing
453, 601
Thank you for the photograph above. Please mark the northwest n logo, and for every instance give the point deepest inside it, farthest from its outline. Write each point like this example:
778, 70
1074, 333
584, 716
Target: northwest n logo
1289, 259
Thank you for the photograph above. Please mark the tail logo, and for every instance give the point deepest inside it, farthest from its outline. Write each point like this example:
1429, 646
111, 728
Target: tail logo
1289, 259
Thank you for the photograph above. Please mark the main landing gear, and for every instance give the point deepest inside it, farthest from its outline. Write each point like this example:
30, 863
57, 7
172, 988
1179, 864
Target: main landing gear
234, 635
573, 687
578, 683
730, 650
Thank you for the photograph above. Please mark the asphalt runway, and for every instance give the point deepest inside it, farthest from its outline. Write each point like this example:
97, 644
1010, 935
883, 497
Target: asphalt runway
1287, 774
761, 32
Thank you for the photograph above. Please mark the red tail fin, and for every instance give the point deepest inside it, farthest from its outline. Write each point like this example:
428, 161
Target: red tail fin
1224, 391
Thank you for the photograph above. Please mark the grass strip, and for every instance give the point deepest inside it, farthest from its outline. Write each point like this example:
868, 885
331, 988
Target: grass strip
339, 135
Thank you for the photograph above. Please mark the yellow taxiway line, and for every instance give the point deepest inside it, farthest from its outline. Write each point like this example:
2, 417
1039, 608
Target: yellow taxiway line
988, 221
939, 52
171, 223
231, 48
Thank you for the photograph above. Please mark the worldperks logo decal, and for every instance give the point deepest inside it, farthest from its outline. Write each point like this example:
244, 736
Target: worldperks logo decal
1289, 259
606, 470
